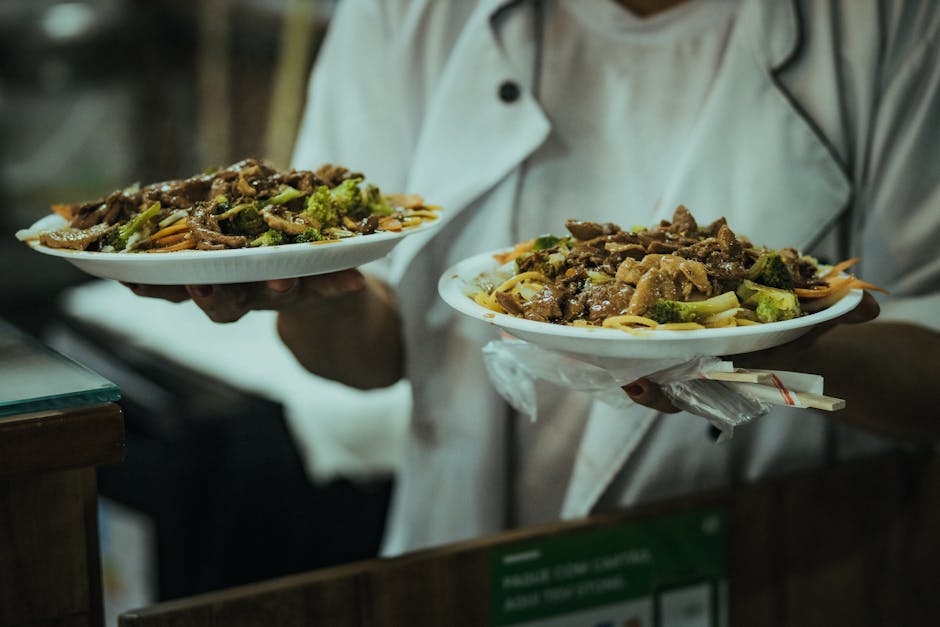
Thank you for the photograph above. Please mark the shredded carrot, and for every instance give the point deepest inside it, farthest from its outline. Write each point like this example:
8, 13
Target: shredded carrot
823, 290
519, 249
66, 211
183, 245
176, 227
865, 285
835, 286
169, 240
839, 268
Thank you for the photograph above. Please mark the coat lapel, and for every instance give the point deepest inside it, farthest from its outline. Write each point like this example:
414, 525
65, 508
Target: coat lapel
461, 155
458, 156
755, 156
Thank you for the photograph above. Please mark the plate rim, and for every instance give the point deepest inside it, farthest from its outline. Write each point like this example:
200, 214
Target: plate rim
462, 303
230, 253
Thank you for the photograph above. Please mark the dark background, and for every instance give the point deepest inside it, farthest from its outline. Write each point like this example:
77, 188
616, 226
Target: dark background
96, 95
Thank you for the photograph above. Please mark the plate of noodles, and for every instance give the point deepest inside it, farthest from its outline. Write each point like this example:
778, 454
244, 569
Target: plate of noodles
677, 290
246, 222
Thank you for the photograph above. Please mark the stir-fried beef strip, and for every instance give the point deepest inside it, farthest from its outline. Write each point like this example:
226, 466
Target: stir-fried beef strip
682, 223
283, 220
510, 302
244, 181
74, 239
545, 306
676, 260
587, 231
607, 299
112, 208
671, 278
332, 175
204, 226
801, 269
246, 177
655, 285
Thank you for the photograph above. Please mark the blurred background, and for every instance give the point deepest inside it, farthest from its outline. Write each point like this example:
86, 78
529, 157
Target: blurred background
229, 477
96, 94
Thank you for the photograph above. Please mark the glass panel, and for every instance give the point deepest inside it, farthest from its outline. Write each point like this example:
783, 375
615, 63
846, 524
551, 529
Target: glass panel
33, 377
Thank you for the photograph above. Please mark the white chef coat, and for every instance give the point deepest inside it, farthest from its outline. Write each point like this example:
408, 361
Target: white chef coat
822, 140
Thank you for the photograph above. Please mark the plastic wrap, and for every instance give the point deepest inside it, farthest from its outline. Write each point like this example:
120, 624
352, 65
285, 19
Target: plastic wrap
514, 366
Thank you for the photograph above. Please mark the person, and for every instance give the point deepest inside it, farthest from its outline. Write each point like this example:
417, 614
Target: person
805, 124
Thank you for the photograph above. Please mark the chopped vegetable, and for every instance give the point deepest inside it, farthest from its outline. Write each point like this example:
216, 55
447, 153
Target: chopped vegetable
374, 202
674, 311
771, 270
246, 220
234, 207
285, 195
120, 238
545, 241
310, 235
770, 304
270, 238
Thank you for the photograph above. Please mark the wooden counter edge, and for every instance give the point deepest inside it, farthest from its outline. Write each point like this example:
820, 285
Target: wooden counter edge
61, 439
748, 507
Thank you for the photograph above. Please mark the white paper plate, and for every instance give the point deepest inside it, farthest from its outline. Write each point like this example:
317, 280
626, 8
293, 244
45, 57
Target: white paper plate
457, 283
237, 265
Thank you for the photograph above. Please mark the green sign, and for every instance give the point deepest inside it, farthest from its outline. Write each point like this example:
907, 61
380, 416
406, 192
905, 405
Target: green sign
663, 572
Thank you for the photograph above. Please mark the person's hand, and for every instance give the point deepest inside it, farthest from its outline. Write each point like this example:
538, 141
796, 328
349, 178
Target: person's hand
646, 392
790, 356
341, 326
229, 302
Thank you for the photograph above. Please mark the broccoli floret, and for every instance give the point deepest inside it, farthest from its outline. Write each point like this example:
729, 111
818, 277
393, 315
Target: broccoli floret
320, 207
329, 206
270, 238
666, 311
137, 222
248, 221
770, 304
346, 196
770, 269
221, 204
113, 239
310, 235
285, 195
545, 241
374, 203
117, 238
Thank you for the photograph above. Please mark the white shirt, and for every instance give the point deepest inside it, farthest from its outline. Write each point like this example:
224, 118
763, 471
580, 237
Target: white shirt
822, 140
621, 93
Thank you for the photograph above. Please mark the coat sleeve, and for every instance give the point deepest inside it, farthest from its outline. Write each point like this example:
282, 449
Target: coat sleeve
899, 195
372, 78
350, 107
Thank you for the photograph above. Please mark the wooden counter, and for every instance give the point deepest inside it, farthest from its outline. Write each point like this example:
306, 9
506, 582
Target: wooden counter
852, 545
49, 561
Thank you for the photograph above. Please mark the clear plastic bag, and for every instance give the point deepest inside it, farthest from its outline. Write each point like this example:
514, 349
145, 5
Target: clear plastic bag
514, 366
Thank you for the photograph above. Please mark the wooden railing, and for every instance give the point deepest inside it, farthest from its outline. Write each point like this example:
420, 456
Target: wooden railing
852, 545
